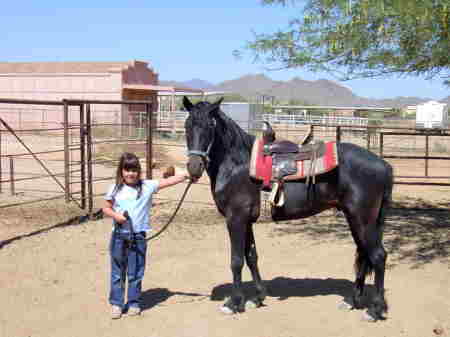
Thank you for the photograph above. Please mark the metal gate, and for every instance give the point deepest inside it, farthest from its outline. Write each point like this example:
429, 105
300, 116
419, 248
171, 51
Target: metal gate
430, 149
75, 179
81, 180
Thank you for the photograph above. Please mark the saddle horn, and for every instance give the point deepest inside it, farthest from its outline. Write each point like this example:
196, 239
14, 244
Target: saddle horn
268, 133
308, 137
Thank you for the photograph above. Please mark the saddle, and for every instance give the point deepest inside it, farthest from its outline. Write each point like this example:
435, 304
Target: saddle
275, 161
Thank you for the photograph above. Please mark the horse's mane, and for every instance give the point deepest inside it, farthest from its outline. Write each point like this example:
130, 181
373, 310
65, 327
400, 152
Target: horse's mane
233, 136
230, 138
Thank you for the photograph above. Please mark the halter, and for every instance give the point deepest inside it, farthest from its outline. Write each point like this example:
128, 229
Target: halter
204, 154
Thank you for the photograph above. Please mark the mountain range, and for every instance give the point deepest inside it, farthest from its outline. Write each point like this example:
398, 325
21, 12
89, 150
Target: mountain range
319, 92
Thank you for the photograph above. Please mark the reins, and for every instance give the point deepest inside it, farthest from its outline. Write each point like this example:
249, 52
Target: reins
172, 216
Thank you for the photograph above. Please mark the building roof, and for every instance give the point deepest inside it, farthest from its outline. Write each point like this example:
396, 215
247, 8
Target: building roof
167, 89
12, 68
65, 67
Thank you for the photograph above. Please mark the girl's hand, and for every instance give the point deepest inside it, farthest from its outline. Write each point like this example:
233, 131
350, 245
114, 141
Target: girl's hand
175, 171
169, 172
120, 219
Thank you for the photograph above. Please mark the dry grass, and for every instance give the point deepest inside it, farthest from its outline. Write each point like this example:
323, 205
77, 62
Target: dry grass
30, 220
44, 212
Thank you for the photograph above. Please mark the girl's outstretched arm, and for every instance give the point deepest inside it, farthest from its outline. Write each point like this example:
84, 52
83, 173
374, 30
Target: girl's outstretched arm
173, 176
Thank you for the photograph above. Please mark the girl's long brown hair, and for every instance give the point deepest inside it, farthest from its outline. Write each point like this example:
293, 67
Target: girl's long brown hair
130, 162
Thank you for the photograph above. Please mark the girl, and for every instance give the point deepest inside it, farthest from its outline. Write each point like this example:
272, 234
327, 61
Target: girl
129, 203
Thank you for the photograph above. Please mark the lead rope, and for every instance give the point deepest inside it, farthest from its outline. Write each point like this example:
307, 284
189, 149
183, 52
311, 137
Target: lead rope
173, 215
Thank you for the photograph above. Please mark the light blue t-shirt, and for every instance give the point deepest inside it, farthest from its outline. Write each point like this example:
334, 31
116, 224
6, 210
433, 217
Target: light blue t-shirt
139, 210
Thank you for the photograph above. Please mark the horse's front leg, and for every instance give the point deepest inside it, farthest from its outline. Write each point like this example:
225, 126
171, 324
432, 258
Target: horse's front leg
251, 257
237, 231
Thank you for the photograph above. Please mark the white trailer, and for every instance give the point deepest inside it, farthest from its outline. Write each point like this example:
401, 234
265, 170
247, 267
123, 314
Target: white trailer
432, 115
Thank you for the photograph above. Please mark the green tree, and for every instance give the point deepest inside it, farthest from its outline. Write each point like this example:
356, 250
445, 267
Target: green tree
360, 38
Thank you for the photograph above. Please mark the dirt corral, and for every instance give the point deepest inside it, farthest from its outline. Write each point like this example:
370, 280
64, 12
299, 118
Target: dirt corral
54, 277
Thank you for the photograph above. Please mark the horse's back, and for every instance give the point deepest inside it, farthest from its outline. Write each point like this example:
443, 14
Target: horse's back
363, 173
357, 159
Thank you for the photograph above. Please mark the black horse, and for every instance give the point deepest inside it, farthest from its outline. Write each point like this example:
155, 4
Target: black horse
360, 186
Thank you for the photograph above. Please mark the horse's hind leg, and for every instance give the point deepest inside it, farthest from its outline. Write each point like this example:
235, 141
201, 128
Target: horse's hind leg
251, 257
378, 256
371, 255
361, 270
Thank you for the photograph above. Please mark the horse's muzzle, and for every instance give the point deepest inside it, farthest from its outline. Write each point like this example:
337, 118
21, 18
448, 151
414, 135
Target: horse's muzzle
195, 167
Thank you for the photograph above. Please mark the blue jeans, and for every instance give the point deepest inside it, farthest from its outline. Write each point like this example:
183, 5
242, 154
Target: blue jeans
127, 261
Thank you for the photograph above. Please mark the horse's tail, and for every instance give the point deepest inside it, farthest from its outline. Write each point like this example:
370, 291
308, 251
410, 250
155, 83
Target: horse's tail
387, 198
361, 258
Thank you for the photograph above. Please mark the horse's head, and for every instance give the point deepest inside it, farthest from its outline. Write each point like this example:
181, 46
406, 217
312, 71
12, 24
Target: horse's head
200, 132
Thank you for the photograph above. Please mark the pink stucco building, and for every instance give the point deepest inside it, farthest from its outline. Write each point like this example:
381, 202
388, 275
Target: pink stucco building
133, 80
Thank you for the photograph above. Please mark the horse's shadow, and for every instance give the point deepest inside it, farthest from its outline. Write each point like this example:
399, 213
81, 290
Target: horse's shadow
283, 288
153, 297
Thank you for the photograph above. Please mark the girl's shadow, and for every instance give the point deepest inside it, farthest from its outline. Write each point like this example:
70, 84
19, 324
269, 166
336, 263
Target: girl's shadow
153, 297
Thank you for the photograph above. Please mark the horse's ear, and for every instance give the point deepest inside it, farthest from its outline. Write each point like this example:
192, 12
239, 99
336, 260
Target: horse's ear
187, 104
215, 106
219, 101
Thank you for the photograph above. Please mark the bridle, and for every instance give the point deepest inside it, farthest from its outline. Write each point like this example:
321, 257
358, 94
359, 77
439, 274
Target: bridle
204, 154
205, 157
132, 237
173, 214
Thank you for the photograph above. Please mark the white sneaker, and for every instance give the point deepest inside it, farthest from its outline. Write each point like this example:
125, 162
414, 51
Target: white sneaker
116, 312
134, 311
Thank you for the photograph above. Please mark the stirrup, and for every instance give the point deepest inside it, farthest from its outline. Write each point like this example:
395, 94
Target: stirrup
273, 196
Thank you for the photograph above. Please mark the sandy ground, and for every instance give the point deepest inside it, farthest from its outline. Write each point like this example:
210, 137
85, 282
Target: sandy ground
54, 275
55, 282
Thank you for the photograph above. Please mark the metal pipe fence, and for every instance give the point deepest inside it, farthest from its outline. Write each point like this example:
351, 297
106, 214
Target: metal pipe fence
67, 156
81, 145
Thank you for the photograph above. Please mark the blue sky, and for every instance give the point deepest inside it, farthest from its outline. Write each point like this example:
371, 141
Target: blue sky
181, 40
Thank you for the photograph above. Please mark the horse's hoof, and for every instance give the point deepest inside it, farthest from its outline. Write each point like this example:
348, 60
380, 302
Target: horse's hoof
345, 306
225, 310
250, 305
366, 317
